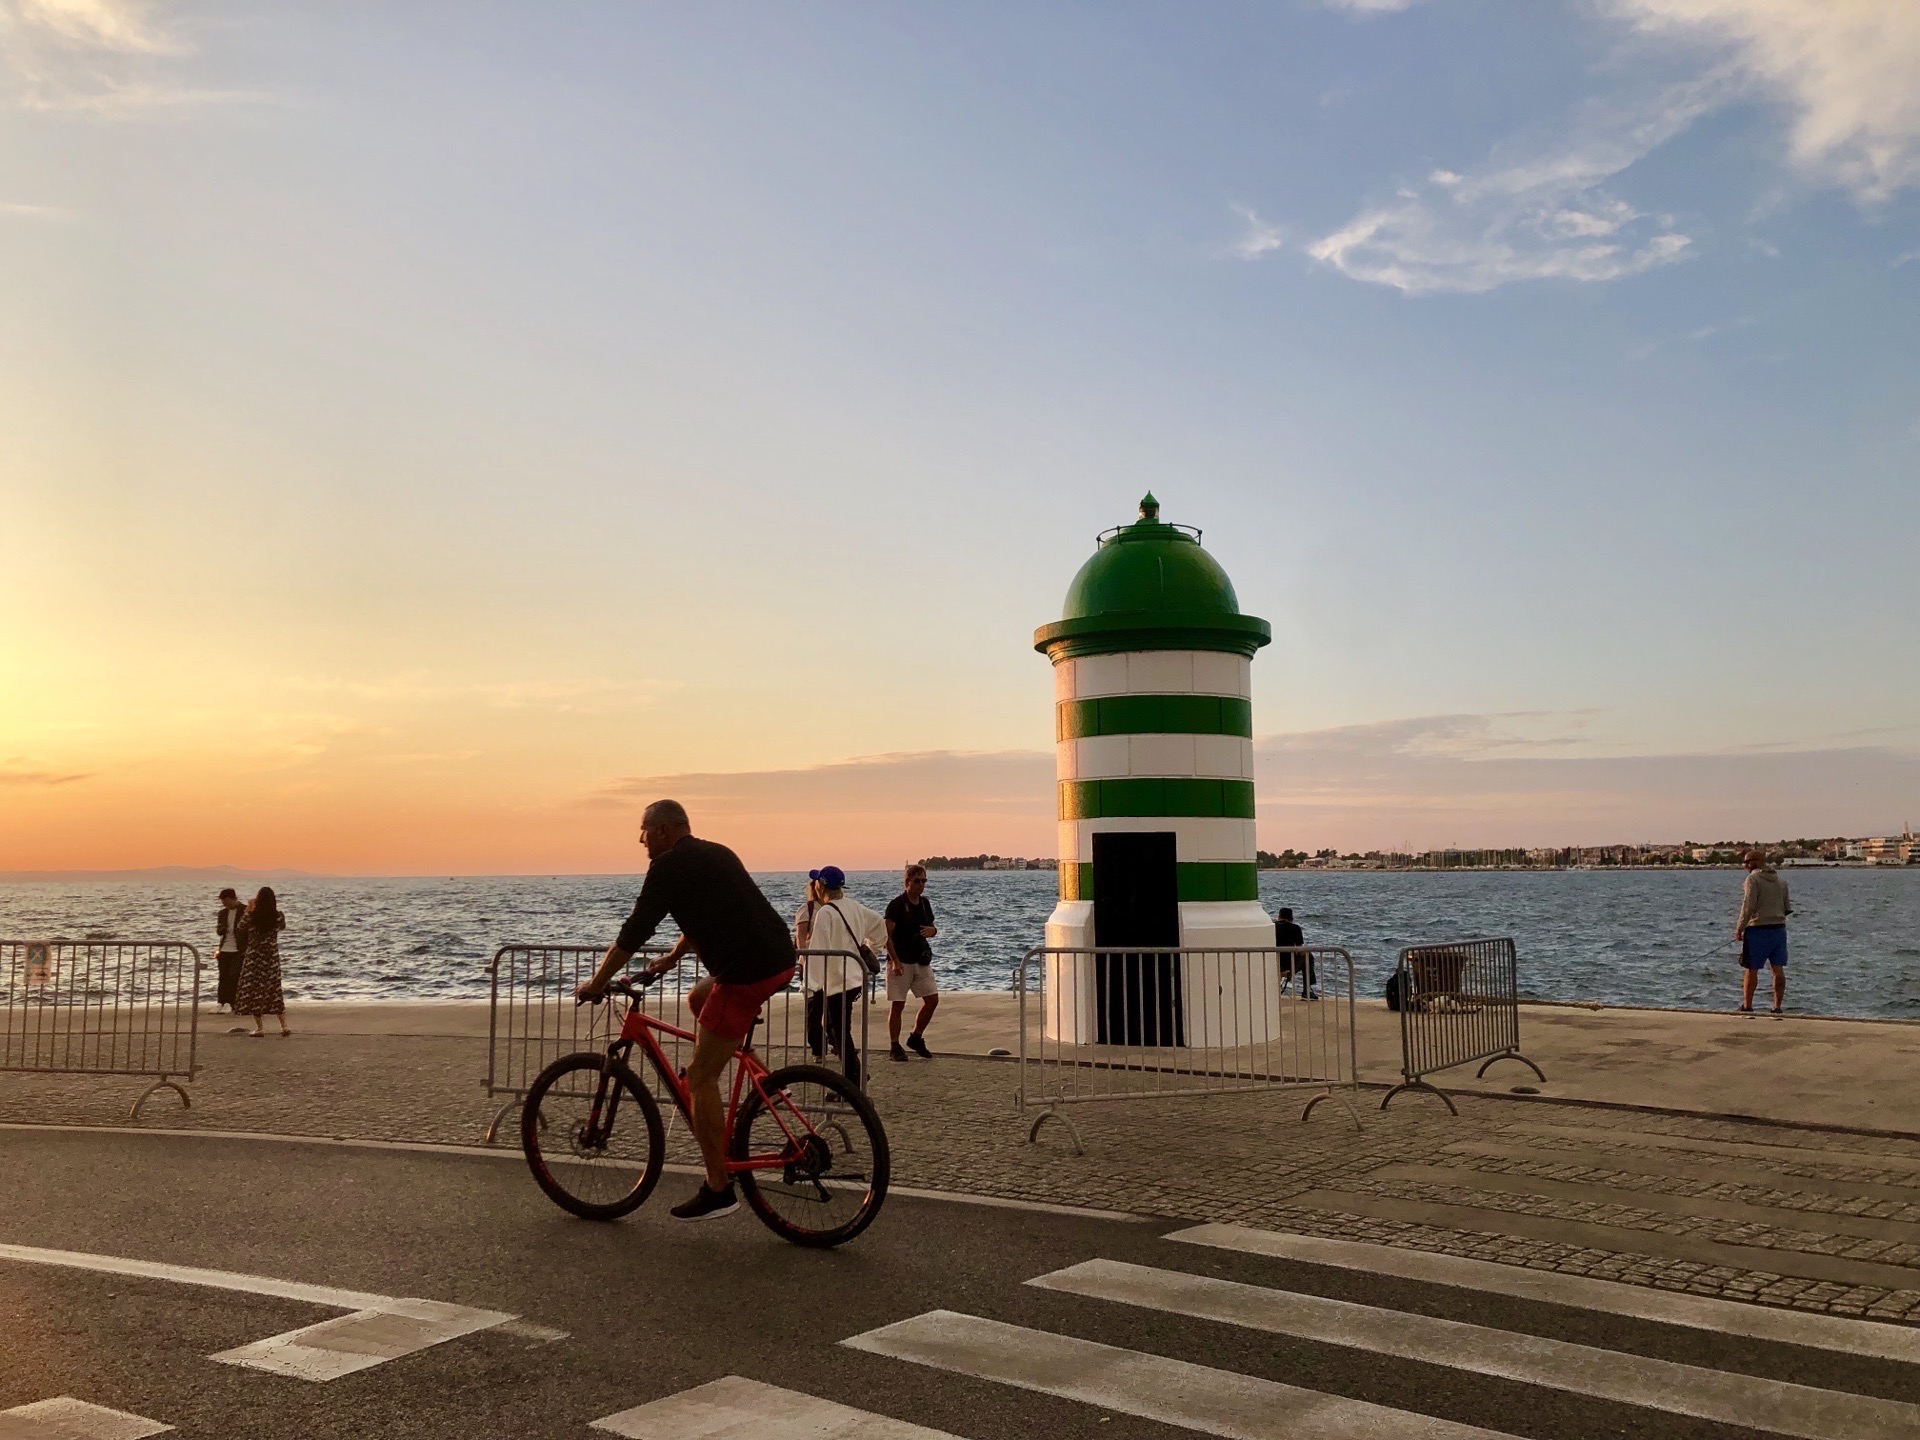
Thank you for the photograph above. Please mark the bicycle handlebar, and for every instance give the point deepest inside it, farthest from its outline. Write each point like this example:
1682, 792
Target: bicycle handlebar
633, 989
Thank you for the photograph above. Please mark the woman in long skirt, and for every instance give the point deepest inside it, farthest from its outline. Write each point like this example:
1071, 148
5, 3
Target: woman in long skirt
259, 992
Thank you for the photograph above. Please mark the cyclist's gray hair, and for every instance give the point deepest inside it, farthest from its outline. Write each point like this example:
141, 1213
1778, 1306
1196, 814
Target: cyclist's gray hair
666, 812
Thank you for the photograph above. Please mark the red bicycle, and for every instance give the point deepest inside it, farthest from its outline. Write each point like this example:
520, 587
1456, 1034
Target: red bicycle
806, 1148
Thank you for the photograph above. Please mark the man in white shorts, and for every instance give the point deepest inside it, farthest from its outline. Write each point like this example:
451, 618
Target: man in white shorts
910, 963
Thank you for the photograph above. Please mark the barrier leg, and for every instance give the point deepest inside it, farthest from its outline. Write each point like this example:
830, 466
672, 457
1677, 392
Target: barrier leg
1352, 1113
493, 1127
1516, 1055
186, 1103
1052, 1113
1445, 1099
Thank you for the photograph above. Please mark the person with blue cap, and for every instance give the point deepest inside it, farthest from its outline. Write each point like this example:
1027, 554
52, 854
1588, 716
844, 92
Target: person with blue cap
830, 921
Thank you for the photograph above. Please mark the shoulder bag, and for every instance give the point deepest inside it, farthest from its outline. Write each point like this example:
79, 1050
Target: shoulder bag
869, 962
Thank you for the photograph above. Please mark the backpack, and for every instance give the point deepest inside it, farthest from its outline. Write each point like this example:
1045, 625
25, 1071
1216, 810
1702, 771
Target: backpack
1394, 999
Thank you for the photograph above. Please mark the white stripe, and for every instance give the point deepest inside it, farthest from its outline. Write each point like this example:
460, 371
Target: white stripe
1116, 757
191, 1275
1195, 837
734, 1408
1154, 672
382, 1328
361, 1340
66, 1418
1730, 1399
1697, 1312
1174, 1392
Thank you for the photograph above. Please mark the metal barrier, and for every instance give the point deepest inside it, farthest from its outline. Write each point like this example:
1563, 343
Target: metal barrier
1459, 1002
1112, 1024
101, 1007
532, 1019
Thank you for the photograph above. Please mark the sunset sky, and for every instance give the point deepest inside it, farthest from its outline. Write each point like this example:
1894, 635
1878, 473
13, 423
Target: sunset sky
430, 431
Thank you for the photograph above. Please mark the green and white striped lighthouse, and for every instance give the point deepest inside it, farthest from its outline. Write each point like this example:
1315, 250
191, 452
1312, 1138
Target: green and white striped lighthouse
1153, 724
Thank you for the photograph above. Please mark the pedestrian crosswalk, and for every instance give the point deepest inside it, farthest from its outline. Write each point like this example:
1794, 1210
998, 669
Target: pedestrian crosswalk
65, 1418
1653, 1395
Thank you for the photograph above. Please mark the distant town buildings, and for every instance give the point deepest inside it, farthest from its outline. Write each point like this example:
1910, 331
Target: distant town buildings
1902, 849
987, 862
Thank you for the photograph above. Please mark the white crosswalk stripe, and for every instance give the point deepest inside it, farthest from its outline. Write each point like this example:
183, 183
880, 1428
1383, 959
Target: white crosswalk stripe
1745, 1400
361, 1340
1698, 1312
1174, 1392
65, 1418
733, 1408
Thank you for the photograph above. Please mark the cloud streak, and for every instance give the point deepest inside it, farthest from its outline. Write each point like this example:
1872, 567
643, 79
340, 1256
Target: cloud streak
1532, 212
1512, 779
106, 59
1844, 69
18, 773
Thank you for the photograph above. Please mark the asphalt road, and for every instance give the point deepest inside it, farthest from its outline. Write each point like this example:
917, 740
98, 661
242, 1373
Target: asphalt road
652, 1307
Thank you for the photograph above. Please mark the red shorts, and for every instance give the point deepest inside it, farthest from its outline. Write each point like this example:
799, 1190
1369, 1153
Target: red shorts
730, 1010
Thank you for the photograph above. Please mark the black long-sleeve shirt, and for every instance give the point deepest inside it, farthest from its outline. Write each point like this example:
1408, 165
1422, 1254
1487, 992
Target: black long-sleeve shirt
712, 898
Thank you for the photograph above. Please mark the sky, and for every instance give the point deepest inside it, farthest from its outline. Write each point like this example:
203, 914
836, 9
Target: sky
430, 431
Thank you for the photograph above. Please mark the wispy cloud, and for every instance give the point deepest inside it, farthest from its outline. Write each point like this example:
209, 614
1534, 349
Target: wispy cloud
1846, 68
1906, 257
109, 59
23, 211
1532, 212
1370, 7
585, 696
1258, 238
25, 773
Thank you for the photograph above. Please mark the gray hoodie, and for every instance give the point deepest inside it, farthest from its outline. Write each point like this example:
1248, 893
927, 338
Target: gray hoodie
1764, 901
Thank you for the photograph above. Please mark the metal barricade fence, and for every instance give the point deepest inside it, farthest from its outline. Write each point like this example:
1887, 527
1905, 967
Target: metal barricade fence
1105, 1023
1459, 1002
101, 1007
532, 1019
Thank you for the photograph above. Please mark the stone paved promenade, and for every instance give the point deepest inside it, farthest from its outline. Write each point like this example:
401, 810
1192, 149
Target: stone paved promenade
1785, 1215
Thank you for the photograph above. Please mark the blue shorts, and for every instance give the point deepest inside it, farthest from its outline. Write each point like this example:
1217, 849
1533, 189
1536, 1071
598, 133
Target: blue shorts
1764, 947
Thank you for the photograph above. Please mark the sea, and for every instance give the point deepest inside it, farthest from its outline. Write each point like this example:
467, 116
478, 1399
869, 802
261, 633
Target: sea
1620, 937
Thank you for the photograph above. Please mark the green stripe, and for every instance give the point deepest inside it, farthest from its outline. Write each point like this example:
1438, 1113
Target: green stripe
1198, 880
1154, 715
1199, 798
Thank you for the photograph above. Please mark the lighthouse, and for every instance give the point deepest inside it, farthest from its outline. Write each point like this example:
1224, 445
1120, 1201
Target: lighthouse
1153, 730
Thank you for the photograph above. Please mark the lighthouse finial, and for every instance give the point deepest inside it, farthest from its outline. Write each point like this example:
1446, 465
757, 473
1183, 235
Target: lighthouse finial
1149, 507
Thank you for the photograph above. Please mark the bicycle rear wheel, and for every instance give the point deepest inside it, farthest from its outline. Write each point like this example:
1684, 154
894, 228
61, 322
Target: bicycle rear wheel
832, 1149
592, 1136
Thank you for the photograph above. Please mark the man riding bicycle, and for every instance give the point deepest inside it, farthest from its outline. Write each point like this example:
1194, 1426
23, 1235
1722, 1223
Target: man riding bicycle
748, 954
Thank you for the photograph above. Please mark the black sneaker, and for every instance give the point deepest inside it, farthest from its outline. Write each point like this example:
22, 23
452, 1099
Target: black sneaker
896, 1053
707, 1204
917, 1043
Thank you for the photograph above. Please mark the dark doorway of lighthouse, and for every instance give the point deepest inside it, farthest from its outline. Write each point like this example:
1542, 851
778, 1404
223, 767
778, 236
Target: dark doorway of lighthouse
1136, 902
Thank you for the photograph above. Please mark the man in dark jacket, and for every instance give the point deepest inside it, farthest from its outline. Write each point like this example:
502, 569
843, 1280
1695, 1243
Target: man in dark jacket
227, 926
748, 955
1289, 936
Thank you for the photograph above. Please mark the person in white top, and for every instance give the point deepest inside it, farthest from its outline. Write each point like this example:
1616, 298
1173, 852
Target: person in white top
832, 920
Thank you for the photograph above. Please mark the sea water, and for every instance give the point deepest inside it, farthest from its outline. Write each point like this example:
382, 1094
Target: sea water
1635, 937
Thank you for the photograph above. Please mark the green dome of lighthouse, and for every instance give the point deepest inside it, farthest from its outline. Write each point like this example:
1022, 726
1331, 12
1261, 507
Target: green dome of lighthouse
1149, 586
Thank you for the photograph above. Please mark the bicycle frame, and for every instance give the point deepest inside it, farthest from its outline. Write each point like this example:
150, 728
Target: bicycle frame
639, 1028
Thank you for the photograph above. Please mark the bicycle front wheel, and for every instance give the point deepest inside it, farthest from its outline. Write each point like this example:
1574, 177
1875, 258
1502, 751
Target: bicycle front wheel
592, 1136
822, 1156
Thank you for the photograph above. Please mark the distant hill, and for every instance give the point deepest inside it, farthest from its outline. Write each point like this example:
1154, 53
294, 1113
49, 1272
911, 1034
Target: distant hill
159, 872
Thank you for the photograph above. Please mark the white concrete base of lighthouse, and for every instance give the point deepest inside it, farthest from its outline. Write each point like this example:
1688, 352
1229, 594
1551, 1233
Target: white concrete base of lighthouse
1226, 999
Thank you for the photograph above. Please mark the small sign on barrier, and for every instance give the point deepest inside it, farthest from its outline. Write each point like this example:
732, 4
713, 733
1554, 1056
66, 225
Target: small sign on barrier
101, 1007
